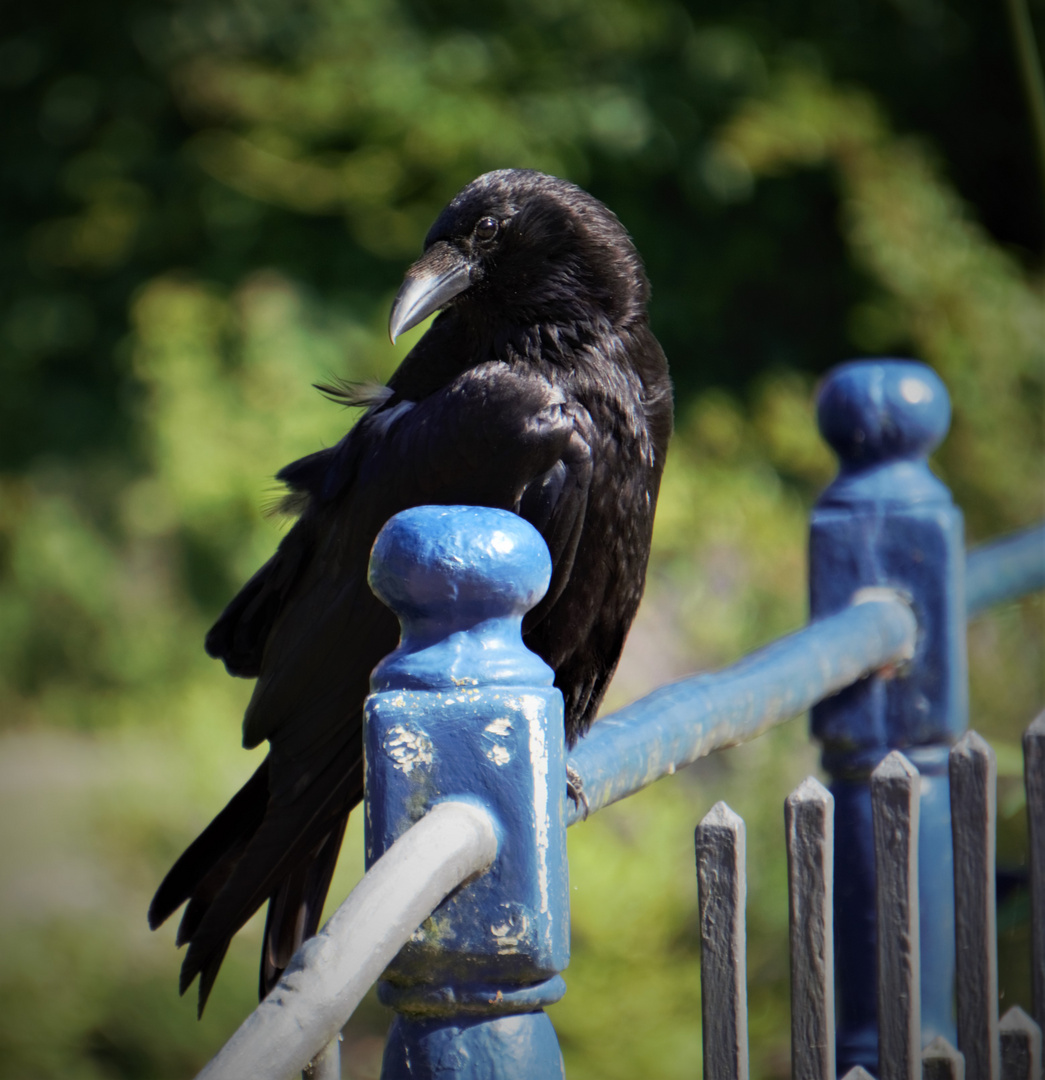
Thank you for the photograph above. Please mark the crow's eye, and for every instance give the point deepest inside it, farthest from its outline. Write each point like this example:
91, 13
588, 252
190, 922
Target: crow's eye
487, 228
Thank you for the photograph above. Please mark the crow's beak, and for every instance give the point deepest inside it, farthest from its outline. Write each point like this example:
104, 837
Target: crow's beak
432, 282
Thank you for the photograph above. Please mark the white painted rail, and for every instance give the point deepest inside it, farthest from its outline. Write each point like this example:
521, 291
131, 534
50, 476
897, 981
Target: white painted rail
330, 974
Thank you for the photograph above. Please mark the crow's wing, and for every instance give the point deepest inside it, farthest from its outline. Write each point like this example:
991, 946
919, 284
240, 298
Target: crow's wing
497, 436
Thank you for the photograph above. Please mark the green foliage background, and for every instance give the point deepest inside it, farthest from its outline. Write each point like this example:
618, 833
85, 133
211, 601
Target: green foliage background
208, 206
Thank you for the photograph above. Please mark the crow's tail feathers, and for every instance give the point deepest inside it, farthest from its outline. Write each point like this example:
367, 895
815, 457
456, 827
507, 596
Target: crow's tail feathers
248, 855
209, 860
205, 867
296, 908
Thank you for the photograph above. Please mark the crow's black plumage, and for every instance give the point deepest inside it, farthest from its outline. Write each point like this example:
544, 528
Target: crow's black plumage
539, 389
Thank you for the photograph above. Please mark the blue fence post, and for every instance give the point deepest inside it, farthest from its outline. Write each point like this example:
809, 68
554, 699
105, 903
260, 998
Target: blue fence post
462, 710
887, 521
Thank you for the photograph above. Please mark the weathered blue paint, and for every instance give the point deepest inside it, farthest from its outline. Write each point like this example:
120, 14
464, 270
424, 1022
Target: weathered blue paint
678, 723
499, 1046
462, 710
1005, 569
887, 521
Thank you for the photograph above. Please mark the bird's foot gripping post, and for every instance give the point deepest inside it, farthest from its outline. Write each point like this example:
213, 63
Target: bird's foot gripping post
463, 711
887, 522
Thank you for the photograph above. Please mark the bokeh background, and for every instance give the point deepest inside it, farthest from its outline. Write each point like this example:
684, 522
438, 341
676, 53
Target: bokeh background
208, 205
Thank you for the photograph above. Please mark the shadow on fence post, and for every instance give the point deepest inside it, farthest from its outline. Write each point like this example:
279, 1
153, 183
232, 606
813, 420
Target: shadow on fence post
886, 521
462, 710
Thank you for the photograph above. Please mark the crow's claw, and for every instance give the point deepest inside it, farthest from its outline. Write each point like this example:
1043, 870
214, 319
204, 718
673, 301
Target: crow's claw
575, 790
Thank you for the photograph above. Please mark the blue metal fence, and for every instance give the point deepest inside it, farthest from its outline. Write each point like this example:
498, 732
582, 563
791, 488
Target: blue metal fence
462, 717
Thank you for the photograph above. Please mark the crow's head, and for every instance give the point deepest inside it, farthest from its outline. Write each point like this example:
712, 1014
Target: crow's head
520, 247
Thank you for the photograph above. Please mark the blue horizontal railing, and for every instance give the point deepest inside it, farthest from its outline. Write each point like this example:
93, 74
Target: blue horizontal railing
1005, 569
679, 723
674, 725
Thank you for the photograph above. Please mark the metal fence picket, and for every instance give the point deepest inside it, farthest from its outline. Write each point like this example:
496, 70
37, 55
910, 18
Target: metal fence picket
941, 1061
809, 823
895, 788
973, 773
1020, 1046
722, 892
1034, 779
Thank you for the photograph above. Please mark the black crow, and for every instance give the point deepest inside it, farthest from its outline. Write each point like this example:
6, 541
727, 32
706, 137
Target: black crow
539, 389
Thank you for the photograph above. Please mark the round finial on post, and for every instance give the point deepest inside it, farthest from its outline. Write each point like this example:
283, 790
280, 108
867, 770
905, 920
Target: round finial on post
884, 409
460, 579
457, 564
883, 418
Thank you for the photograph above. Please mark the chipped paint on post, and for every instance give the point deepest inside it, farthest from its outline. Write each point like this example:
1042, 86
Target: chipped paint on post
496, 734
462, 710
407, 747
533, 712
511, 930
